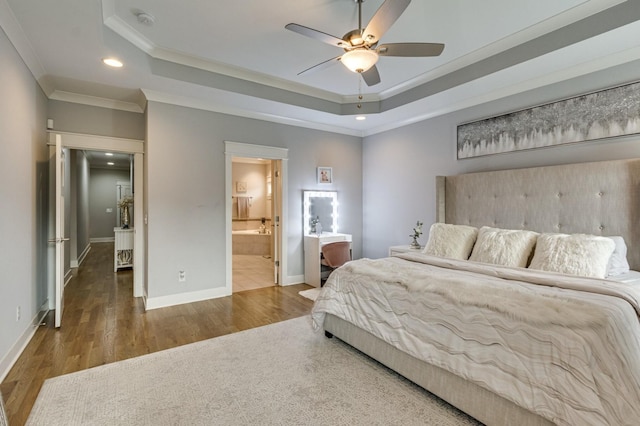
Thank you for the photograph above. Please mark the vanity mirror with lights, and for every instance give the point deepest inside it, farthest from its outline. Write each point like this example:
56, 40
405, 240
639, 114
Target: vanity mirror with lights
320, 207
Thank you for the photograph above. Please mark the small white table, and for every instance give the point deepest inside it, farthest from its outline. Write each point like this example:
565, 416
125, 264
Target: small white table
123, 248
403, 249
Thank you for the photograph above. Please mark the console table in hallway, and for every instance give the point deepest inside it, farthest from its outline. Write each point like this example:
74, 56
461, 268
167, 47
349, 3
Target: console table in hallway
123, 248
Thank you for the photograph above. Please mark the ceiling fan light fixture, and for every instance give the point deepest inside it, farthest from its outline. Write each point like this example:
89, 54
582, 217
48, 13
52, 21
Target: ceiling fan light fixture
359, 60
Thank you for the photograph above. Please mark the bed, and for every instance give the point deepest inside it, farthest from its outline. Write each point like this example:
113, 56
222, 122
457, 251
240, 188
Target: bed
510, 344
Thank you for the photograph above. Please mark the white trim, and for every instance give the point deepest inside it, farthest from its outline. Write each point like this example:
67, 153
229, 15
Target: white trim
59, 95
98, 143
67, 277
237, 149
139, 249
182, 298
130, 146
103, 240
21, 343
82, 256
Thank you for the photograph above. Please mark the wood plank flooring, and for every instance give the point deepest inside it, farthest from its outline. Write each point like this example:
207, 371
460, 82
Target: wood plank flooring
103, 323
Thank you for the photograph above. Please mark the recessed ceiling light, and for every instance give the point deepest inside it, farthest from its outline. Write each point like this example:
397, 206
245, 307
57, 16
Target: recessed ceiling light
361, 117
112, 62
110, 163
109, 154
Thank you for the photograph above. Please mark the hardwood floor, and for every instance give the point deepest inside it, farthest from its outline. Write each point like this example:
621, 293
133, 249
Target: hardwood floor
103, 323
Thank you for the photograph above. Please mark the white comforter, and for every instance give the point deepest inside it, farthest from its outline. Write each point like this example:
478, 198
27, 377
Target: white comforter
566, 348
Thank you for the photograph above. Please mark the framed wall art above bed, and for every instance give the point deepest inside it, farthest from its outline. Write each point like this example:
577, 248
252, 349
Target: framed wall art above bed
604, 114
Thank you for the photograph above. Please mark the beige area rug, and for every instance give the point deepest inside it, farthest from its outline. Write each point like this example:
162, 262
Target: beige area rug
281, 374
312, 293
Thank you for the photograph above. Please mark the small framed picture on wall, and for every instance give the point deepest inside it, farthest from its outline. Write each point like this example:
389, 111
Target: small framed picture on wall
325, 175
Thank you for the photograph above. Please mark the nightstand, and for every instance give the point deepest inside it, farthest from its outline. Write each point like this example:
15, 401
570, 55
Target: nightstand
403, 249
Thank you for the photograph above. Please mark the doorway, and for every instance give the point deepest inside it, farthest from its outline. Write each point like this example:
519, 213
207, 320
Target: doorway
60, 250
256, 200
252, 223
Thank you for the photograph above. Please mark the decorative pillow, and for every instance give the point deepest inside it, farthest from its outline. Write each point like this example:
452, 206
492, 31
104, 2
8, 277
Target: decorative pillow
505, 247
451, 241
618, 263
577, 254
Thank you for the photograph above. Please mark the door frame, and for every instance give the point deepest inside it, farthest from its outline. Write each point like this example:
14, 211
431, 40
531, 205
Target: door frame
125, 146
237, 149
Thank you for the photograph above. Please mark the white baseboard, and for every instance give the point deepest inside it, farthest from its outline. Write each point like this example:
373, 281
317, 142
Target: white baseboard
18, 347
75, 263
181, 298
293, 279
83, 255
103, 240
67, 277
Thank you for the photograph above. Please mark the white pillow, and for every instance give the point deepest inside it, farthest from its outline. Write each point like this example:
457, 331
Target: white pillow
577, 254
618, 263
450, 241
507, 247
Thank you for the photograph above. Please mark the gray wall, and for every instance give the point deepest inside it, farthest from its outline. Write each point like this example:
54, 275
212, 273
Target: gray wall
24, 172
102, 196
75, 118
185, 177
400, 166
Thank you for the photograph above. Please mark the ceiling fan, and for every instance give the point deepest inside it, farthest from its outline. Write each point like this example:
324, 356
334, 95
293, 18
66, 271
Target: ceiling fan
361, 45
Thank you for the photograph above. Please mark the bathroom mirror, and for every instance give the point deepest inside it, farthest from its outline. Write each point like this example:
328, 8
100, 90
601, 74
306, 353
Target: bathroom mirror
322, 205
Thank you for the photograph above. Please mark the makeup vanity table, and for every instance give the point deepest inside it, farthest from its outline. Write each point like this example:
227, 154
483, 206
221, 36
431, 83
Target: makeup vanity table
319, 207
312, 247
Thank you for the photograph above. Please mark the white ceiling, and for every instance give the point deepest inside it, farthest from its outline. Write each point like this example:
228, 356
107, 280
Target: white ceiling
236, 56
101, 160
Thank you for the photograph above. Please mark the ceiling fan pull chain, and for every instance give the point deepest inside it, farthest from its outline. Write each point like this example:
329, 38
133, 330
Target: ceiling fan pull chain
360, 16
359, 91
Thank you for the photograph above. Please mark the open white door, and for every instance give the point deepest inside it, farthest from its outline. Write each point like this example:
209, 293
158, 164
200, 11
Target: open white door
276, 209
57, 156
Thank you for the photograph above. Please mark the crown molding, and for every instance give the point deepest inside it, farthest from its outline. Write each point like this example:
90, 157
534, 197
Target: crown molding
209, 105
59, 95
20, 41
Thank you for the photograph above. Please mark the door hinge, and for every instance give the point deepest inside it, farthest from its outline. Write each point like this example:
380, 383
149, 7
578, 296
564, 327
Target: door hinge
277, 263
277, 219
277, 173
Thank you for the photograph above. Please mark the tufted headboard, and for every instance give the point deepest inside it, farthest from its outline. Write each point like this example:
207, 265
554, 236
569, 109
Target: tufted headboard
600, 198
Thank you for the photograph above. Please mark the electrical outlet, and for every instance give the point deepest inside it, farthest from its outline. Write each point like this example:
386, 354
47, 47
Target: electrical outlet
17, 313
182, 276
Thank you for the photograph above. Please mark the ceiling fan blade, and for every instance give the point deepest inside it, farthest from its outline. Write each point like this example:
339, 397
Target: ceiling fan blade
318, 35
322, 65
371, 76
410, 49
385, 16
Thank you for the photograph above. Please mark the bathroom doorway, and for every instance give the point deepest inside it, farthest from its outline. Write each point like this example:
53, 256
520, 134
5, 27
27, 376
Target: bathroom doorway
252, 223
264, 195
